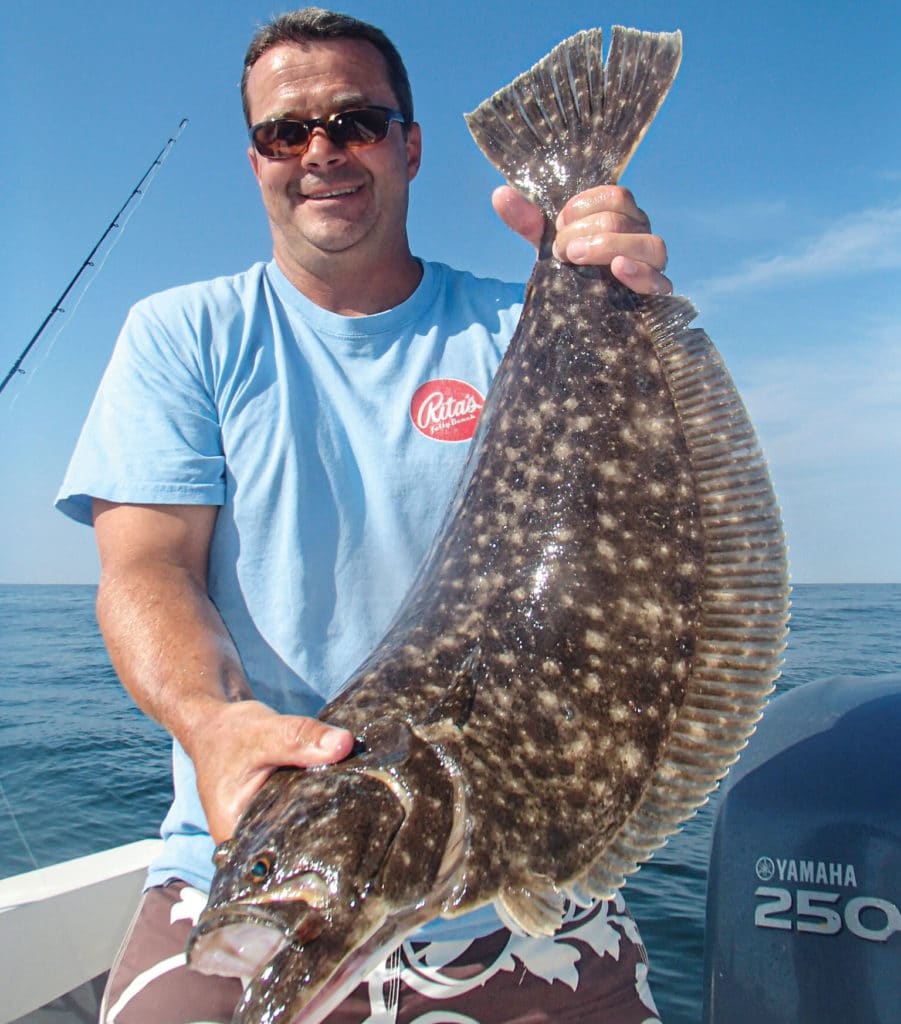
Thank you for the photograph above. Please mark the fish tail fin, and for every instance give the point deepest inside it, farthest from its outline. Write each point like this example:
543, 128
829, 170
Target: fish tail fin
572, 122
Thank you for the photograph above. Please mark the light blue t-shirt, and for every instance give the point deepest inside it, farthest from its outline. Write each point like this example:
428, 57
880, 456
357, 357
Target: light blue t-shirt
332, 446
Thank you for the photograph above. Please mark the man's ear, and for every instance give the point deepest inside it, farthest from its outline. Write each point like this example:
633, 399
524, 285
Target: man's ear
414, 149
254, 162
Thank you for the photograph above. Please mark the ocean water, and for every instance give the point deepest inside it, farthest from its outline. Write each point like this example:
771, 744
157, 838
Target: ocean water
81, 769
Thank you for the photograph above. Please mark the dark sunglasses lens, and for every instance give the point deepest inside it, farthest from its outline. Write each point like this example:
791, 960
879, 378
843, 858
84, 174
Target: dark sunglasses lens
279, 139
359, 127
282, 139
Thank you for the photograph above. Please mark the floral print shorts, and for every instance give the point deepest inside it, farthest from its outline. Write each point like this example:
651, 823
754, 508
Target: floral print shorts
593, 969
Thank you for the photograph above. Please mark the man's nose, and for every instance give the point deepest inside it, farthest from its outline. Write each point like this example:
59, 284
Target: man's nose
321, 151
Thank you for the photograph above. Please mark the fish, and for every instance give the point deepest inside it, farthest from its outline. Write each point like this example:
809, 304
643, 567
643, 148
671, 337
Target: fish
591, 639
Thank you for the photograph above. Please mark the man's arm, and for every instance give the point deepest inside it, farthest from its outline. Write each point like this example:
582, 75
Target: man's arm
602, 225
175, 657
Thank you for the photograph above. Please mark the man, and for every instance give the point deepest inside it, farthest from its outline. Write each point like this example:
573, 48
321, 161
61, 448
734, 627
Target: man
261, 498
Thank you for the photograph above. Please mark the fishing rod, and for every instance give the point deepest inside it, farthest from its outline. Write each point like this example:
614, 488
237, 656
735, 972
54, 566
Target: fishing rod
88, 262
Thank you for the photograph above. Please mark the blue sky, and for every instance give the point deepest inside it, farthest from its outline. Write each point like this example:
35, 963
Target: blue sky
773, 172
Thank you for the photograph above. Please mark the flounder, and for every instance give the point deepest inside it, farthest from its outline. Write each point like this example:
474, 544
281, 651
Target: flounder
591, 639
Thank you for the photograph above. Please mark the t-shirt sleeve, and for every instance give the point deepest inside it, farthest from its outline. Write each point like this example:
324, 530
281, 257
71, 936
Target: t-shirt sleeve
152, 434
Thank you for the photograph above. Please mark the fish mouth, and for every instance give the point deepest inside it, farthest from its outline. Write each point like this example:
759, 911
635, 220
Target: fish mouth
326, 978
239, 941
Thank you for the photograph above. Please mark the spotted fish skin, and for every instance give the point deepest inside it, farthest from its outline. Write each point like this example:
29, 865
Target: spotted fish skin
592, 638
564, 599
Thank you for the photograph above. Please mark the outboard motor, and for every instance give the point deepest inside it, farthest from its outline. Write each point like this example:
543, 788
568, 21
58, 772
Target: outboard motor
803, 919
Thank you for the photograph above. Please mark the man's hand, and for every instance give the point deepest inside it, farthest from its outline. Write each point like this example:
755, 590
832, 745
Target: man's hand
243, 743
602, 226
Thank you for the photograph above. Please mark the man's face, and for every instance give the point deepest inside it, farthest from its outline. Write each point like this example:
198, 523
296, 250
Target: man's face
332, 204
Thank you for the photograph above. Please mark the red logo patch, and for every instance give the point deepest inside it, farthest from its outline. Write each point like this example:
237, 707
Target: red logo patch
446, 409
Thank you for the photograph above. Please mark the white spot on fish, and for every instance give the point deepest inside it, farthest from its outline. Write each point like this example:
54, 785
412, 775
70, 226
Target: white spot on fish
631, 758
606, 550
619, 713
612, 470
594, 640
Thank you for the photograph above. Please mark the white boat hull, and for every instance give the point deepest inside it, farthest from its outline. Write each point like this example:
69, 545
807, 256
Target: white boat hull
61, 926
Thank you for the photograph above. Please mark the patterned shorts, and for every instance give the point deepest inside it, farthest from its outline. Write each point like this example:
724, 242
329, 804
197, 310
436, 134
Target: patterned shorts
593, 969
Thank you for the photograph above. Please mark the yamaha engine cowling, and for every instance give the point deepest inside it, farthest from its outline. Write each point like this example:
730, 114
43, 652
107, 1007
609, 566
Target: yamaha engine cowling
803, 919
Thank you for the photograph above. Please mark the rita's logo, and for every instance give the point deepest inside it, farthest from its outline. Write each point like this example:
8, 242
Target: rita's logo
446, 410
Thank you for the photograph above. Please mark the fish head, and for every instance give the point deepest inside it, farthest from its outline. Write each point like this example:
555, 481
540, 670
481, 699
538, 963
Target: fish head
306, 894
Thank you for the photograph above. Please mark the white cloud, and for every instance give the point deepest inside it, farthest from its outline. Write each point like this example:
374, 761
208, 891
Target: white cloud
837, 406
830, 425
858, 243
750, 218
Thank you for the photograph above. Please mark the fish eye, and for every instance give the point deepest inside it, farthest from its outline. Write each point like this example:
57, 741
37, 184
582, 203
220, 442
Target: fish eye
261, 868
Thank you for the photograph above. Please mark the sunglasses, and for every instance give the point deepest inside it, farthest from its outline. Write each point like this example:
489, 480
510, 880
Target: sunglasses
284, 138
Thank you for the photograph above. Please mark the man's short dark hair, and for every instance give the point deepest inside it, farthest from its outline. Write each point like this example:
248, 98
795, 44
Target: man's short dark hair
311, 24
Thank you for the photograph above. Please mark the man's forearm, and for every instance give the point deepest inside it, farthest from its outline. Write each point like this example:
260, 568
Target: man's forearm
169, 646
175, 657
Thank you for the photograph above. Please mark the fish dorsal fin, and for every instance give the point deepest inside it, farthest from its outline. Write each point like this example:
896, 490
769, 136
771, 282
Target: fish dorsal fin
571, 122
532, 907
743, 623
